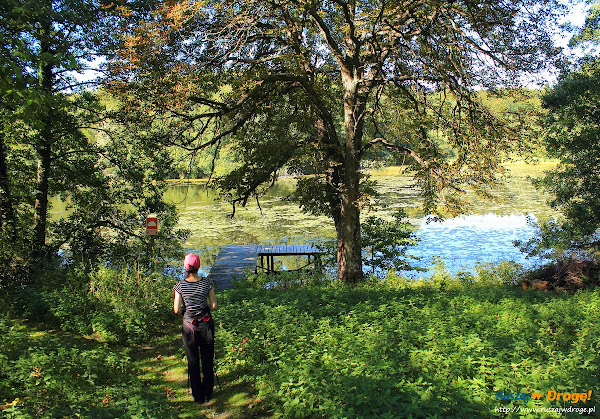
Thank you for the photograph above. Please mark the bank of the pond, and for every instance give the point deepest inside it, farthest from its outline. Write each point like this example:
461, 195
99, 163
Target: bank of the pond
444, 347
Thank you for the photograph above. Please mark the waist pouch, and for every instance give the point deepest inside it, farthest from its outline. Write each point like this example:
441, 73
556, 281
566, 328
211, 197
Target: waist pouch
197, 321
202, 328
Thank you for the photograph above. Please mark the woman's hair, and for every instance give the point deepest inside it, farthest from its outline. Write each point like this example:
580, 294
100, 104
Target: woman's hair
191, 270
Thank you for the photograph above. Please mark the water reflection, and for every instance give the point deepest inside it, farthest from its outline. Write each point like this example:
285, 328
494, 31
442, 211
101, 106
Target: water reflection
465, 241
276, 220
487, 235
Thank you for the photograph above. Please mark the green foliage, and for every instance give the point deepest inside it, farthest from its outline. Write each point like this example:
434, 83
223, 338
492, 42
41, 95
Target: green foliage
124, 306
409, 348
56, 140
46, 367
43, 45
519, 110
313, 195
386, 243
284, 280
573, 136
505, 272
132, 304
263, 148
53, 374
390, 348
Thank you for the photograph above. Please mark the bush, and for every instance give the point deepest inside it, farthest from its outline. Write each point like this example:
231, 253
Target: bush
52, 374
386, 244
132, 305
117, 306
71, 310
414, 349
504, 272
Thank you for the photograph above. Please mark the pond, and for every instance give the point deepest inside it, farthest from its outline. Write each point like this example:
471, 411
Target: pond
485, 235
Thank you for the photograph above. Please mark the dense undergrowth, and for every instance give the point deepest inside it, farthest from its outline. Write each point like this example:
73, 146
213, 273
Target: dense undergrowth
442, 347
64, 345
437, 348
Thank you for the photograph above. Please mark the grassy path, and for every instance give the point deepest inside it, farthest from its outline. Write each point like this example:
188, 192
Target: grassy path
163, 366
53, 373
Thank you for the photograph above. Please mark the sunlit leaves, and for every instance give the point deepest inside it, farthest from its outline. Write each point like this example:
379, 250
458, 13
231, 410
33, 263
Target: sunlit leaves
387, 243
574, 137
58, 141
418, 349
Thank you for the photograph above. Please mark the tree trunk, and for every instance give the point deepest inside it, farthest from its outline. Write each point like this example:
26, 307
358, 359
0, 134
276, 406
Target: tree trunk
349, 256
44, 150
7, 214
349, 251
40, 214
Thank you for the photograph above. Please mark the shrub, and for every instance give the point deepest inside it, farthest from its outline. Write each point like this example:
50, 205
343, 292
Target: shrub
123, 306
410, 349
504, 272
284, 279
52, 374
134, 306
386, 243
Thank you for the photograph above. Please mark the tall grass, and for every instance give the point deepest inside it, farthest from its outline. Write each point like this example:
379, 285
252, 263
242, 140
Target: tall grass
410, 348
303, 347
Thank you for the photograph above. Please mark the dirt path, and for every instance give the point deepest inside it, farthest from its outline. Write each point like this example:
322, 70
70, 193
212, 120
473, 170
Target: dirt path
163, 366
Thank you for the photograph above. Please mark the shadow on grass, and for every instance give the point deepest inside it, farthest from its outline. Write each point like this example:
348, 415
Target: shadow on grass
52, 373
164, 366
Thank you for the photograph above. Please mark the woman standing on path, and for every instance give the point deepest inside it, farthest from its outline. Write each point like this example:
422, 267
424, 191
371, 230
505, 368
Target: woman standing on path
198, 326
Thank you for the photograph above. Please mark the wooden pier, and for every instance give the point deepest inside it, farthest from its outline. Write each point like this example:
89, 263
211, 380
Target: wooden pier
232, 261
268, 253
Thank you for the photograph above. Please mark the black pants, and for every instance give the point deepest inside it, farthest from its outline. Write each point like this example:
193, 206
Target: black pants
199, 344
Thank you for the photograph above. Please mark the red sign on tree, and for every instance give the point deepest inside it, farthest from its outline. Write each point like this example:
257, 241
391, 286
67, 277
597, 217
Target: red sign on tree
151, 226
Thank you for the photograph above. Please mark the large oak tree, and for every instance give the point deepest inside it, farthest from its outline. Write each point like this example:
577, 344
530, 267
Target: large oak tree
317, 86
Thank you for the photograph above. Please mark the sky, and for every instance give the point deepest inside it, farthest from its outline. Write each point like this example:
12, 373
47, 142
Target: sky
576, 18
